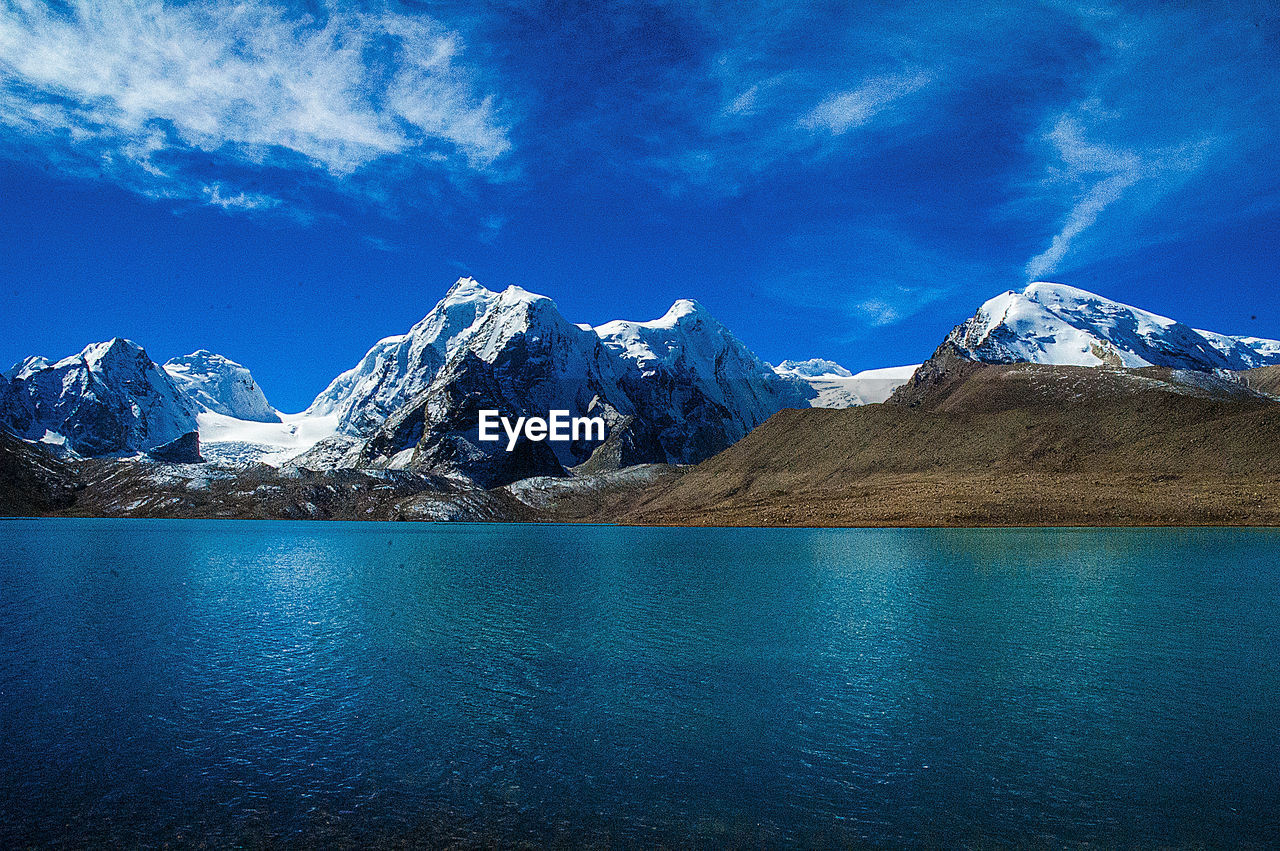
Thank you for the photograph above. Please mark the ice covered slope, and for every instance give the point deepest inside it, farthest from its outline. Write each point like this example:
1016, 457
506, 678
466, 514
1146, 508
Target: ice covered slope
686, 370
837, 387
110, 398
539, 357
1056, 324
682, 386
220, 385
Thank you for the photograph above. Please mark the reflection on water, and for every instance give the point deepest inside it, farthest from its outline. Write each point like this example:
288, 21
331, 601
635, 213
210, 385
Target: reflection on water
362, 683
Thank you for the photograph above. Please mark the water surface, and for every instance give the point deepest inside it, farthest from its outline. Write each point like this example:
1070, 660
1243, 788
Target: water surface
357, 684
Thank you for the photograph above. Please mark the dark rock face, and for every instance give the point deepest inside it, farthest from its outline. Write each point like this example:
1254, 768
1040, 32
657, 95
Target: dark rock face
676, 422
183, 450
948, 364
441, 430
629, 443
32, 481
559, 367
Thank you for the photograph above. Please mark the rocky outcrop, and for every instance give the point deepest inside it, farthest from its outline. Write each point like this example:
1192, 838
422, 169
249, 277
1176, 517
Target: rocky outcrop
948, 365
183, 450
32, 481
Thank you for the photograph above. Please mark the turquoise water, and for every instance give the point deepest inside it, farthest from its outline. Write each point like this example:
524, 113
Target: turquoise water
365, 684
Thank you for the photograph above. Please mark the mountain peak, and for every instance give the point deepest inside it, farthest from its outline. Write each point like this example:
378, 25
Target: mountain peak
108, 398
1062, 296
27, 366
465, 289
218, 384
812, 368
679, 313
519, 295
1054, 323
681, 308
115, 350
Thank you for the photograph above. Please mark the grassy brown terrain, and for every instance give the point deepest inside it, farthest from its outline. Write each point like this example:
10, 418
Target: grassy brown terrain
1265, 379
978, 445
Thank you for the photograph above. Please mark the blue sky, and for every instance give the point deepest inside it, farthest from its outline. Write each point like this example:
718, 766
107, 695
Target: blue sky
287, 184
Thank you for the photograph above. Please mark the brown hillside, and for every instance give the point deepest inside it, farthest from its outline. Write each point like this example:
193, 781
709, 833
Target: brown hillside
1002, 444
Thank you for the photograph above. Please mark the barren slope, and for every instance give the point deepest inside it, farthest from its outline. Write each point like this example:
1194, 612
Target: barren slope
1001, 444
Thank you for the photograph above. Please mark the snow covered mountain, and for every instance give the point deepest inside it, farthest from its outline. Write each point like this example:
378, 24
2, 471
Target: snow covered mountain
812, 368
110, 398
694, 387
676, 389
552, 363
220, 385
1056, 324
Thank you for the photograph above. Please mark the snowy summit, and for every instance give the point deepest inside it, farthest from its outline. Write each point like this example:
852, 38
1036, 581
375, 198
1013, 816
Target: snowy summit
1057, 324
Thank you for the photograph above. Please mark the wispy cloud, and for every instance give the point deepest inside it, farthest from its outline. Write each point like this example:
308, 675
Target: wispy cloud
1175, 98
1106, 174
215, 195
841, 112
138, 90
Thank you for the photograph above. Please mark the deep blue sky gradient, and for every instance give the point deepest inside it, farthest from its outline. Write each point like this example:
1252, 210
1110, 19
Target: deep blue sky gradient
830, 179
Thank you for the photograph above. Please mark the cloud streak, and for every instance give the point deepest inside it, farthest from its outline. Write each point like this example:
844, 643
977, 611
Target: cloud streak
135, 90
1176, 98
841, 112
1112, 172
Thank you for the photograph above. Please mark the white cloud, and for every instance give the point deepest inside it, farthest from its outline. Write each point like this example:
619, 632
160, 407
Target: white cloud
214, 194
877, 312
841, 112
1111, 172
133, 84
1100, 175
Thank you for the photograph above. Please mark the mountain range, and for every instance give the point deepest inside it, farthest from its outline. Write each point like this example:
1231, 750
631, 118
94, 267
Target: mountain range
674, 391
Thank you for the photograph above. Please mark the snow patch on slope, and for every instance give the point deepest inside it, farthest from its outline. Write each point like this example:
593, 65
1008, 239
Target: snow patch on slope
837, 387
812, 368
236, 442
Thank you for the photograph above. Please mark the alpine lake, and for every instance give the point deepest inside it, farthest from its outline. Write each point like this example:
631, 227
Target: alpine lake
363, 684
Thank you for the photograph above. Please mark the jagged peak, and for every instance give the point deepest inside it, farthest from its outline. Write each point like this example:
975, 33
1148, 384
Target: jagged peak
27, 366
467, 288
115, 350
